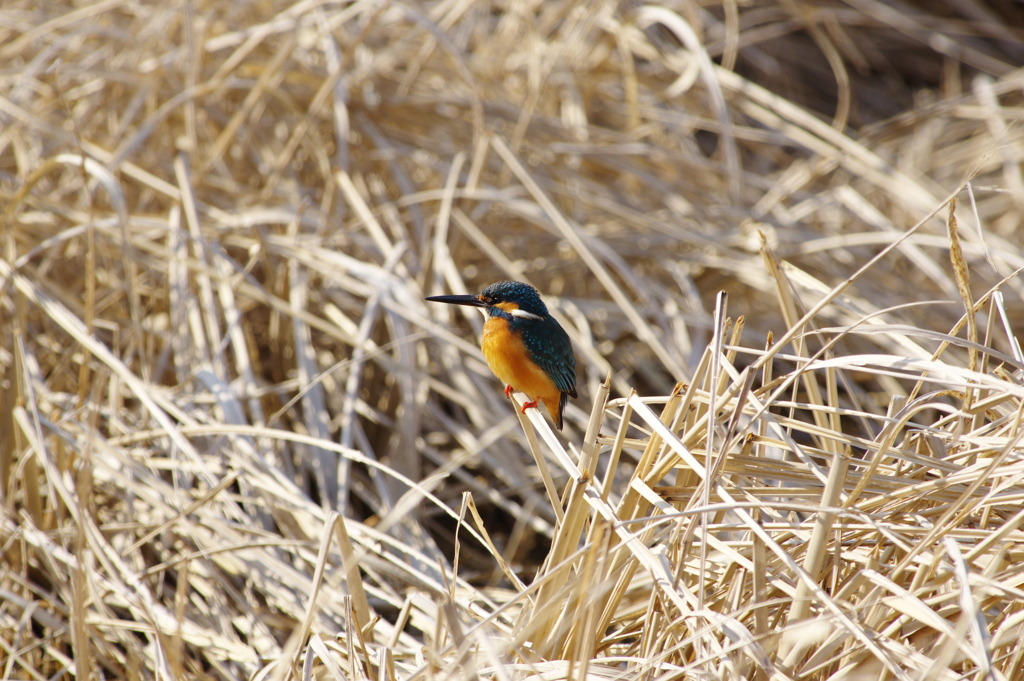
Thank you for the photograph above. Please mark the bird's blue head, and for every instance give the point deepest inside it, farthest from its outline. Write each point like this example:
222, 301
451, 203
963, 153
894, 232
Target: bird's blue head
523, 296
514, 301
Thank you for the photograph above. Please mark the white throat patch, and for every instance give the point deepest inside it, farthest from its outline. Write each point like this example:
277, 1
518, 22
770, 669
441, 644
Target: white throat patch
525, 315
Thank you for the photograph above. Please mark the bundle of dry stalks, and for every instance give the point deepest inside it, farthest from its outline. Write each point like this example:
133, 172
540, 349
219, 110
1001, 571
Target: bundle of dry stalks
236, 443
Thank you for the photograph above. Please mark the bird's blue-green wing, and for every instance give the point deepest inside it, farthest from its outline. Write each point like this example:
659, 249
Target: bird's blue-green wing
552, 352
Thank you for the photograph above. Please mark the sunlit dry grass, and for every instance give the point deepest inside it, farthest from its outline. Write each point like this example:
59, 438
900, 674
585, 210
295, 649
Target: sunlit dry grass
236, 442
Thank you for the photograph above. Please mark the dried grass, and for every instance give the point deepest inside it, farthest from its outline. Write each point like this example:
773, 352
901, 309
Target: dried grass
236, 443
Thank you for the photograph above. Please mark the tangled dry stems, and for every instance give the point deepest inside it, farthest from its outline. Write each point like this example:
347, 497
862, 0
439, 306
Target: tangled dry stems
236, 443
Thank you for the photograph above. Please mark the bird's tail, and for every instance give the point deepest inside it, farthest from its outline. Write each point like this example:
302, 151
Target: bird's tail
556, 409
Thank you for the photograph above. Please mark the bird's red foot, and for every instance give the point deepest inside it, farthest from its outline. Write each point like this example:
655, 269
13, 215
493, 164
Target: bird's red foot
529, 405
508, 391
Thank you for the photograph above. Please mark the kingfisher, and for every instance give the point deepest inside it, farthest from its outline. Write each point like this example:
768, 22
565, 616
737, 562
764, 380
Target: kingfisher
524, 346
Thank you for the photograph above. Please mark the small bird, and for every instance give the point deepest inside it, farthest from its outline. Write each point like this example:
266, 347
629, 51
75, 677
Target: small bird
524, 346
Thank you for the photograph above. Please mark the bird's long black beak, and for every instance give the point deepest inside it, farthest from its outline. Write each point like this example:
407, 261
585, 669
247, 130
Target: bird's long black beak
470, 300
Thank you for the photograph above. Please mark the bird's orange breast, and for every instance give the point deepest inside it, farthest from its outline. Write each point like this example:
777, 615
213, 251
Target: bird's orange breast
510, 361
